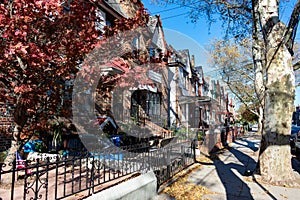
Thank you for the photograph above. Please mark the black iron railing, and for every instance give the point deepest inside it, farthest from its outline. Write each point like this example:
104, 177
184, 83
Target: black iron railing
60, 177
168, 161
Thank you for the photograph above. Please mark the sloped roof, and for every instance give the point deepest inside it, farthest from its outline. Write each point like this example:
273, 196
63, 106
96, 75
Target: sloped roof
115, 4
113, 7
152, 23
155, 28
185, 54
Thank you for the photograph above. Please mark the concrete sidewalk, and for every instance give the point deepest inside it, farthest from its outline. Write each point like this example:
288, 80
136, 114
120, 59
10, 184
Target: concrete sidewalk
226, 177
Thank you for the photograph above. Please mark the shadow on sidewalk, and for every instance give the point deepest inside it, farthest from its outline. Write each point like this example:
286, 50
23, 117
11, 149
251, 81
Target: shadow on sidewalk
235, 187
248, 163
249, 166
238, 162
230, 169
234, 166
250, 144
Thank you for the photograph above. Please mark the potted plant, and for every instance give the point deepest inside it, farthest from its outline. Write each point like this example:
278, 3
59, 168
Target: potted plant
201, 137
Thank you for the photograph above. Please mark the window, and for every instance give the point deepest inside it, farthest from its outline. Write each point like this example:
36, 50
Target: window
154, 104
152, 54
149, 102
102, 18
136, 43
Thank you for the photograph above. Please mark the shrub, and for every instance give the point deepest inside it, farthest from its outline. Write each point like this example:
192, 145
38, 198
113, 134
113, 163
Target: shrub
201, 135
3, 155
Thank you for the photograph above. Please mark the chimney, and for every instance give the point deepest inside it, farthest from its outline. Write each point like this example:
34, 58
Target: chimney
193, 62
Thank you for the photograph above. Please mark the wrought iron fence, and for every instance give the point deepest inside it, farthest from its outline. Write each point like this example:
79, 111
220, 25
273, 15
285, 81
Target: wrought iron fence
82, 175
168, 161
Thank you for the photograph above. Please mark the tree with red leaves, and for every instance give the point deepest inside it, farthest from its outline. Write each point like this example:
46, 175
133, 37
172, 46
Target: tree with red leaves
42, 44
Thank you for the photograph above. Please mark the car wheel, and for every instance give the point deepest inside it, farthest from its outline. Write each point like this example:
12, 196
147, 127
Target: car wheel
297, 149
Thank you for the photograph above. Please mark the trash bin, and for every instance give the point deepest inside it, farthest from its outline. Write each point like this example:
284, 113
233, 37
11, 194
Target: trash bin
116, 139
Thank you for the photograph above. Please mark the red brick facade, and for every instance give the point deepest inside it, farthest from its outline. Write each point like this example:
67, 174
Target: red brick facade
6, 123
5, 141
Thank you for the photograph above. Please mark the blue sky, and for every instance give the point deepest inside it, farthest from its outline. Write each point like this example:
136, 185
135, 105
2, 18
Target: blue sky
182, 34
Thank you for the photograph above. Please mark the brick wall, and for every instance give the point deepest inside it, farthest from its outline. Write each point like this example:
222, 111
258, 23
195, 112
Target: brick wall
6, 123
5, 141
212, 142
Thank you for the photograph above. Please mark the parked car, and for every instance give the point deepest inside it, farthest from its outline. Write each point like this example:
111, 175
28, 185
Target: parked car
295, 139
254, 127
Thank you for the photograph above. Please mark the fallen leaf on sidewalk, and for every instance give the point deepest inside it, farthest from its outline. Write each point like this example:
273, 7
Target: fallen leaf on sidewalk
283, 196
204, 159
183, 189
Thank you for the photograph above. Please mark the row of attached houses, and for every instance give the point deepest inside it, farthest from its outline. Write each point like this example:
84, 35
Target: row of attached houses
173, 93
178, 95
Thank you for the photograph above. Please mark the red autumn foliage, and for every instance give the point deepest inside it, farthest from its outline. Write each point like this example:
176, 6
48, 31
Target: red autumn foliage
124, 24
41, 45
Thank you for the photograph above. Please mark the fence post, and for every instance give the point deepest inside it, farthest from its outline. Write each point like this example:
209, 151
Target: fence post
168, 150
47, 176
36, 193
93, 175
0, 171
182, 157
13, 179
56, 177
193, 146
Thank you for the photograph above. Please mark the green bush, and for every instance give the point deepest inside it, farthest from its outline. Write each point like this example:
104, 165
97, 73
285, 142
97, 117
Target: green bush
38, 146
180, 133
3, 155
201, 136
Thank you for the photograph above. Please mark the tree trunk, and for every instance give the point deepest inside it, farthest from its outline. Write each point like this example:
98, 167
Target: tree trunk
20, 120
259, 61
274, 163
275, 157
11, 156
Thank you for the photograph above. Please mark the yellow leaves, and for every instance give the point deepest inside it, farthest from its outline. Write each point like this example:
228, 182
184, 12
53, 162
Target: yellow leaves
182, 189
204, 159
284, 196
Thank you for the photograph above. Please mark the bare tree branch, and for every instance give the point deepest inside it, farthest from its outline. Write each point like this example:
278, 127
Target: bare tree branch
296, 66
292, 27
